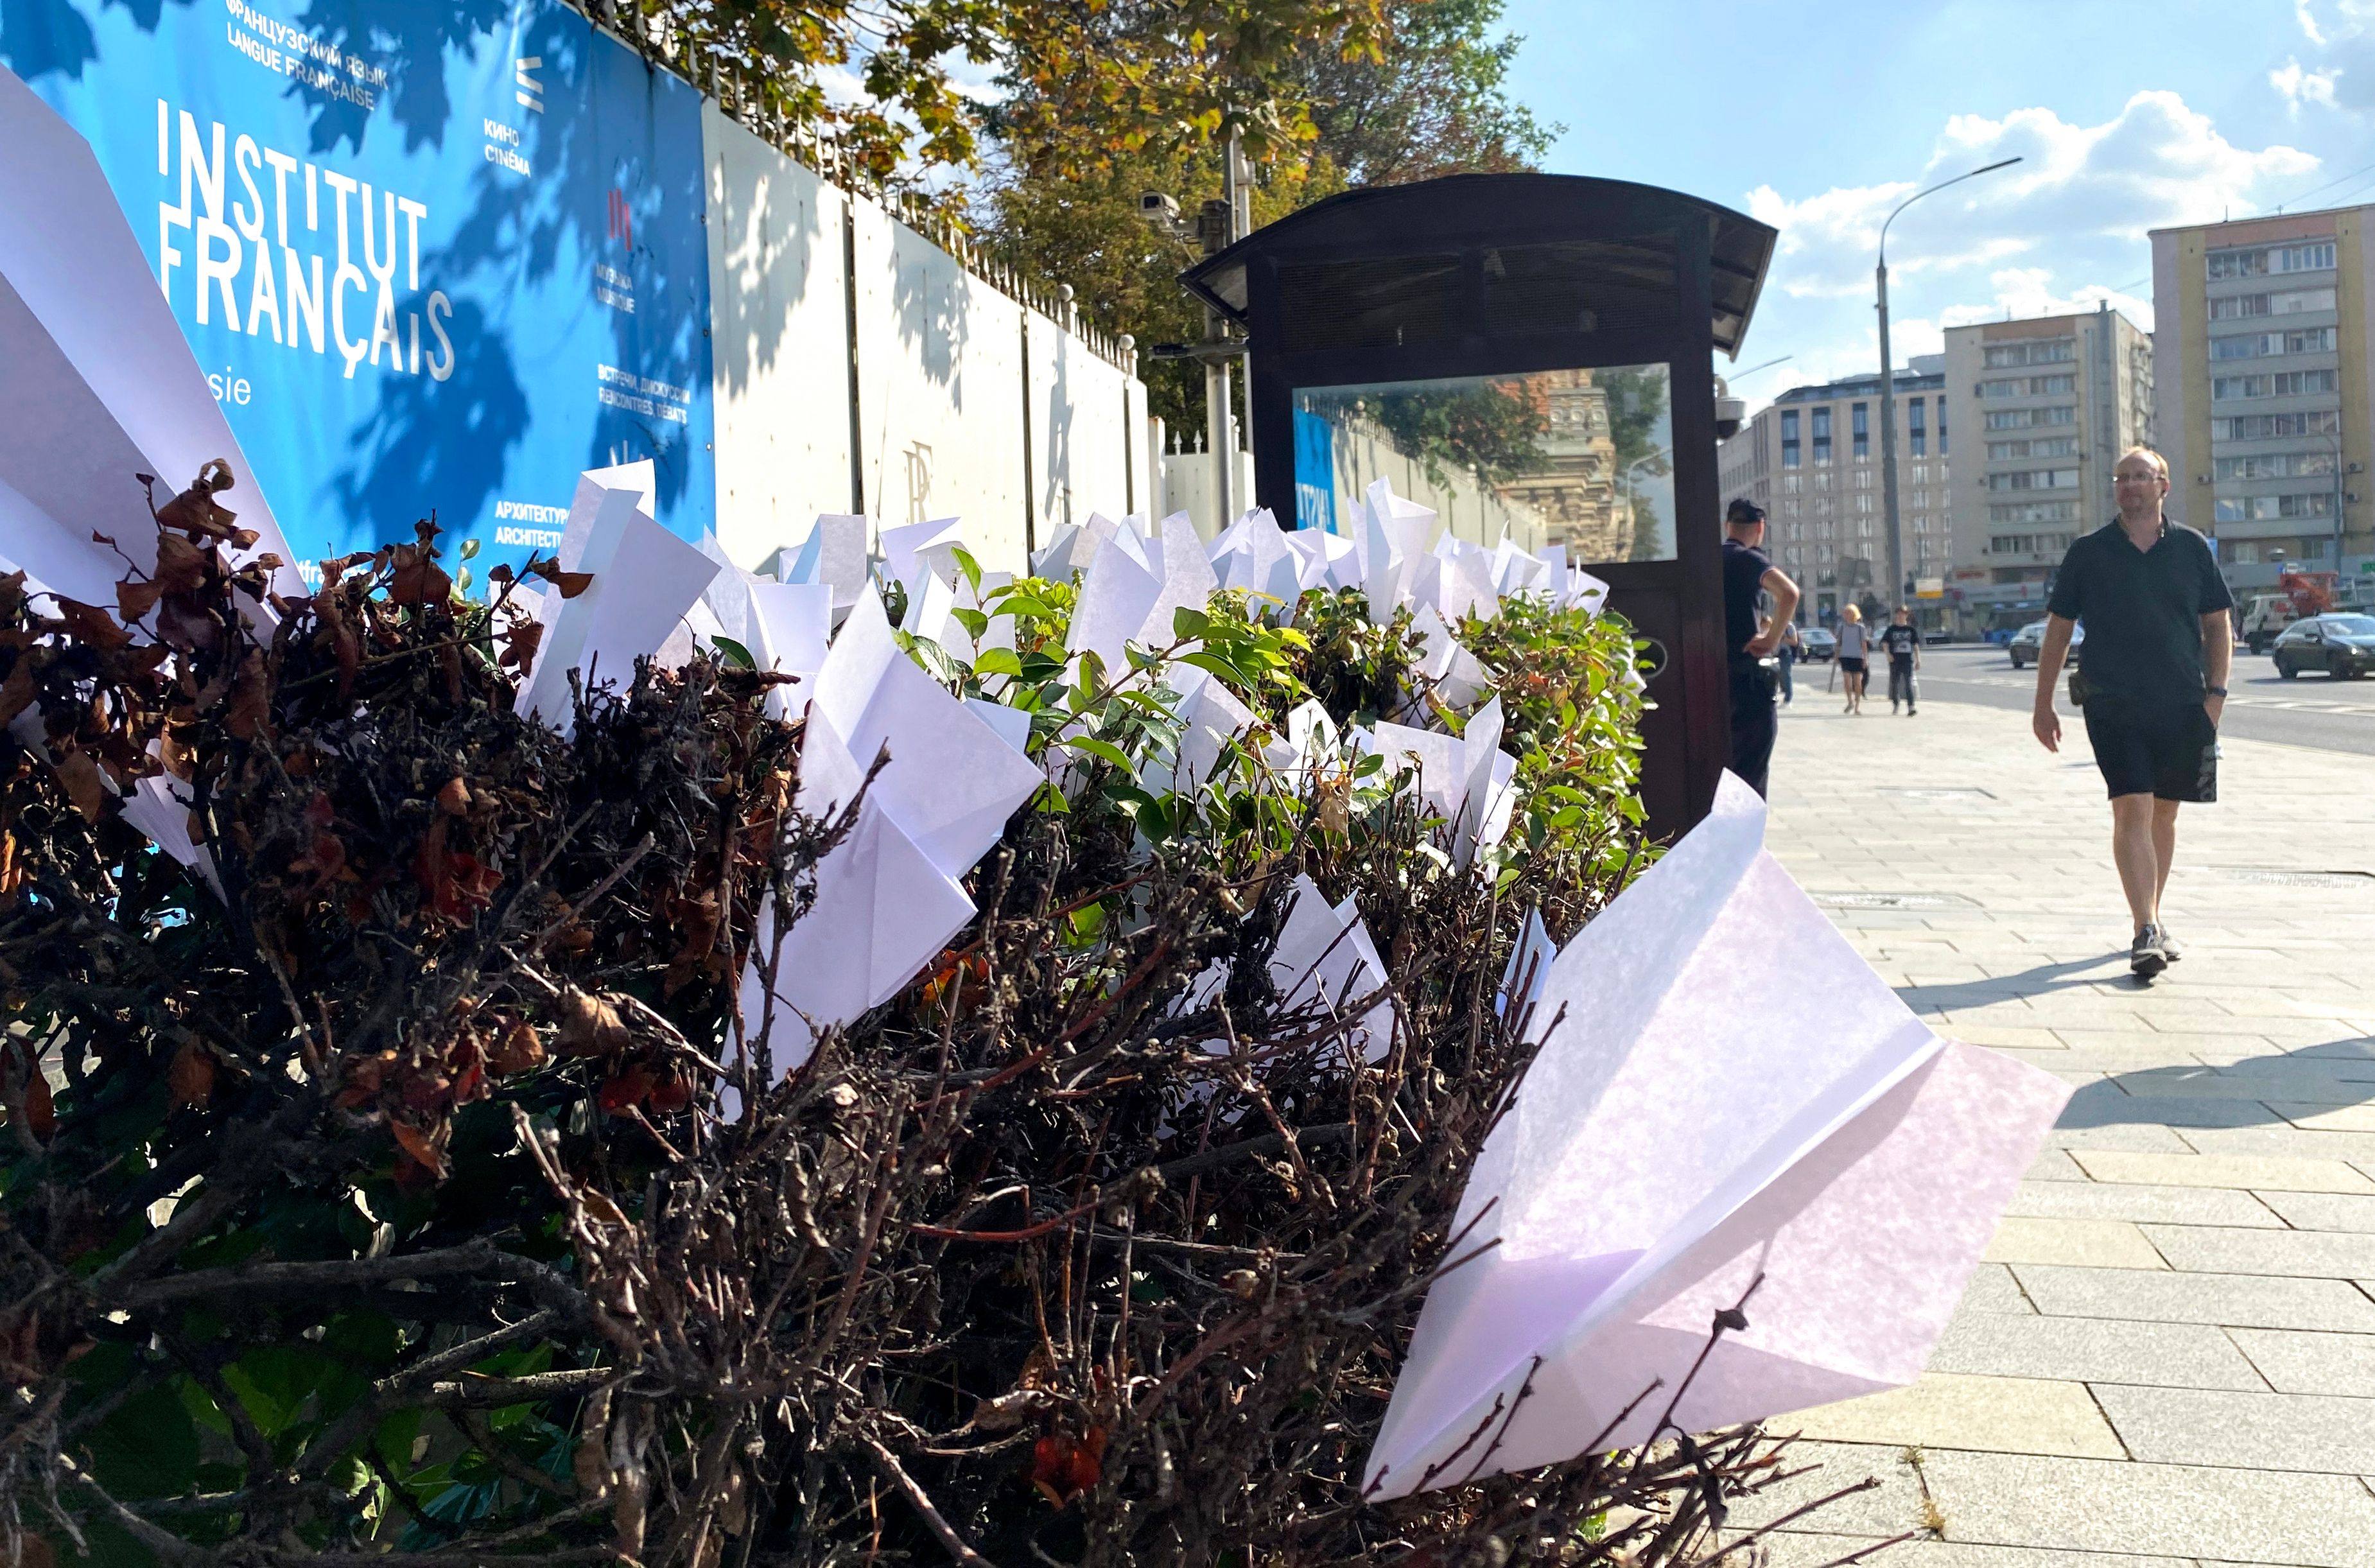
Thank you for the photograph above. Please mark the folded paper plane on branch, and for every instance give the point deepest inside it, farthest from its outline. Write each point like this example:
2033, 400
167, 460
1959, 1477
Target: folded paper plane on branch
645, 581
1454, 674
1252, 554
1323, 559
1133, 587
1393, 539
1725, 1093
96, 381
1464, 779
834, 554
1210, 717
1324, 956
889, 897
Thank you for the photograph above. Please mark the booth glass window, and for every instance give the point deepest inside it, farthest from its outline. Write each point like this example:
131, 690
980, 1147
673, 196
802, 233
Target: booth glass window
1579, 457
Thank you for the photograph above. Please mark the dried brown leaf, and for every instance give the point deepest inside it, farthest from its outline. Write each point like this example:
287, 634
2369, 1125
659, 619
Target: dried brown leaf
190, 1080
590, 1026
134, 600
79, 773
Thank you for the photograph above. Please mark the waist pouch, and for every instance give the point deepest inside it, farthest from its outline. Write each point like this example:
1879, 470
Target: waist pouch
1762, 677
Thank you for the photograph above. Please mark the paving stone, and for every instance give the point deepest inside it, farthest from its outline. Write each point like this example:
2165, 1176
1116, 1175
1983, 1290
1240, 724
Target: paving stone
2322, 1210
2098, 1243
2320, 1254
2296, 1363
2013, 1415
2092, 1504
2105, 1102
2167, 1205
2358, 1119
1791, 1550
2243, 1301
2093, 1349
2258, 1173
2029, 1037
1993, 1290
2055, 1165
2199, 1426
2144, 1137
2152, 1047
2113, 1507
2283, 1142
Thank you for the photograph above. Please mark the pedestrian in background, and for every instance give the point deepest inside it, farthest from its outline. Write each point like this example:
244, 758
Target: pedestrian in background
1902, 642
1791, 645
1749, 573
1855, 645
2158, 643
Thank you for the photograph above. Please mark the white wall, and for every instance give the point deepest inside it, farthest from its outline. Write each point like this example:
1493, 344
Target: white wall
944, 395
940, 396
780, 341
1082, 411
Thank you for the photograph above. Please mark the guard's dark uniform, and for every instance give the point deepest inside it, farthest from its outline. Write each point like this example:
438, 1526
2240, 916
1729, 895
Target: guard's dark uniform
1755, 720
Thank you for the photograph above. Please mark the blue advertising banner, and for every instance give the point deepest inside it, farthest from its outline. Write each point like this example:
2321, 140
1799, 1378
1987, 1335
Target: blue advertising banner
430, 256
1315, 472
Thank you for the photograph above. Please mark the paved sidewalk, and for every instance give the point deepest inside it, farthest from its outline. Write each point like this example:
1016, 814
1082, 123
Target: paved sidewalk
2169, 1355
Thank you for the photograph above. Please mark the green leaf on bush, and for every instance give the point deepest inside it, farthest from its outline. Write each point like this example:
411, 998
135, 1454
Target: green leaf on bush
1103, 750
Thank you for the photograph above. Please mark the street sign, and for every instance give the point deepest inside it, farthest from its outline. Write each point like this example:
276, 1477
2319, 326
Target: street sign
1929, 587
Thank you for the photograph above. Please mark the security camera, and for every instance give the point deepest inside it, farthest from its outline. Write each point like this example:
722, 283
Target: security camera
1158, 208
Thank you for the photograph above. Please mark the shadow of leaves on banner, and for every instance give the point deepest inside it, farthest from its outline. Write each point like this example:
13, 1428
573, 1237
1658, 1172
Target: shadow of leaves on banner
617, 182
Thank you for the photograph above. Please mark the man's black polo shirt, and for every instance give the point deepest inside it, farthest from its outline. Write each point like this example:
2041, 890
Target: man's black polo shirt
2142, 609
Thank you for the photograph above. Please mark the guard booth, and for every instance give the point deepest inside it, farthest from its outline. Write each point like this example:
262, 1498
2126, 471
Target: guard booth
1541, 347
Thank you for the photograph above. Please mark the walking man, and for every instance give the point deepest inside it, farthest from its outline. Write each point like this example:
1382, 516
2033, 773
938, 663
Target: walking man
1903, 641
2158, 643
1747, 572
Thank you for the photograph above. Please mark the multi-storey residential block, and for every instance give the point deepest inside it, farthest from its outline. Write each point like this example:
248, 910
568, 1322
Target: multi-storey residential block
1812, 459
2264, 327
2053, 402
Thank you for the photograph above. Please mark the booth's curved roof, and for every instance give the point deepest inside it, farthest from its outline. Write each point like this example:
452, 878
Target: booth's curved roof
1503, 210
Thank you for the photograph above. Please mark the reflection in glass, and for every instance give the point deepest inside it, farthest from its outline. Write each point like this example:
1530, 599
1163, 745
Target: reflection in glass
1574, 457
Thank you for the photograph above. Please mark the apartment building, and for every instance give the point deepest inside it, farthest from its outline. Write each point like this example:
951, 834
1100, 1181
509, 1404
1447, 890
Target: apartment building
1812, 459
2053, 401
2264, 326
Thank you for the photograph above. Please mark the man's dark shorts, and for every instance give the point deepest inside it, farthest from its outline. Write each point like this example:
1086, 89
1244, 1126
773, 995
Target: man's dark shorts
2168, 752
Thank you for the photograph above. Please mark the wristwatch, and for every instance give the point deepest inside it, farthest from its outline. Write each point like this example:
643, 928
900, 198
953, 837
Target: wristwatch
2214, 691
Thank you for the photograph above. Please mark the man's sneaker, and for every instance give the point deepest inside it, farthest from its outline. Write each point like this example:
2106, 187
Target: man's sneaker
2146, 956
2168, 948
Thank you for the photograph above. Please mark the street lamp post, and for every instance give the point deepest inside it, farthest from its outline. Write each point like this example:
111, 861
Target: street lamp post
1632, 508
1889, 390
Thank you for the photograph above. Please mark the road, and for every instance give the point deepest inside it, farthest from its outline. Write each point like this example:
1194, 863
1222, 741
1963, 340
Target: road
2315, 711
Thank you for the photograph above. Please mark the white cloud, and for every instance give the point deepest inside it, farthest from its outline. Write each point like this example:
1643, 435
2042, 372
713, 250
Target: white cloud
2344, 32
2057, 232
2301, 86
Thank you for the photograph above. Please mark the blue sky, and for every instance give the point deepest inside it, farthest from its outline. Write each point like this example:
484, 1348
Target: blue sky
1819, 117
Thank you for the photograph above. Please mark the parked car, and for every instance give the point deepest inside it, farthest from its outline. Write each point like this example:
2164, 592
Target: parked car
1817, 645
2029, 640
1937, 636
2342, 645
